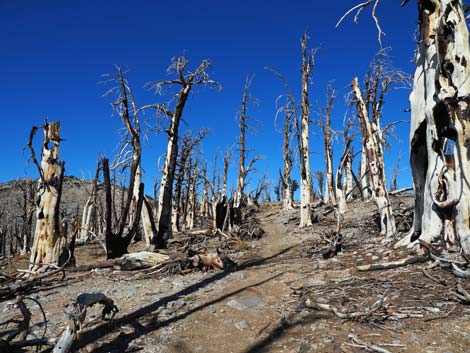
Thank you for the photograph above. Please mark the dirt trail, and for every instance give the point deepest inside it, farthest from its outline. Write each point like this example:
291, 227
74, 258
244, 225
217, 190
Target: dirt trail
247, 305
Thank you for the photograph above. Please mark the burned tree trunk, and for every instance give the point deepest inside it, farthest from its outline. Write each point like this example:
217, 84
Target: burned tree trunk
48, 242
305, 180
117, 242
440, 128
372, 147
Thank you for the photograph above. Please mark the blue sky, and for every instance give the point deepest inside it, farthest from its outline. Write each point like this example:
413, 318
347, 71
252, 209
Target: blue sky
53, 54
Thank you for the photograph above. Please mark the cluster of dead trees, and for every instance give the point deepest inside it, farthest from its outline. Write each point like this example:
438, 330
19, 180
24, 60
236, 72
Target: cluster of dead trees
187, 188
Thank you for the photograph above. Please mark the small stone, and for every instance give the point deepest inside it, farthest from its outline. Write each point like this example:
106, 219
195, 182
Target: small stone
242, 325
243, 303
374, 258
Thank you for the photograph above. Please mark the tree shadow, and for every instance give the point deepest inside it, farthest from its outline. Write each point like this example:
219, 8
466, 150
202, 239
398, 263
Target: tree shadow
148, 312
280, 330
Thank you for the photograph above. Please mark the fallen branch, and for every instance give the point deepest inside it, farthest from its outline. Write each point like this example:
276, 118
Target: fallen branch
369, 347
399, 191
394, 264
459, 272
78, 315
462, 295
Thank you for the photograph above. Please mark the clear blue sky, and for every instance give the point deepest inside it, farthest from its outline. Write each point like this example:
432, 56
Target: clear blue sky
54, 52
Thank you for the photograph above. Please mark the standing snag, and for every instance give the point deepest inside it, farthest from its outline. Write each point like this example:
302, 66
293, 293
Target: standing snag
374, 154
440, 129
185, 80
305, 179
48, 242
243, 168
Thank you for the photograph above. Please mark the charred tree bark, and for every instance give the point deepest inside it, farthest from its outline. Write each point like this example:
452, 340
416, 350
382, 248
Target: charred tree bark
305, 180
48, 242
116, 242
372, 147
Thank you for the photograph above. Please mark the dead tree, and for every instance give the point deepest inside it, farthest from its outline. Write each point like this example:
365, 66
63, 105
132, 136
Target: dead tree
188, 143
48, 242
285, 104
227, 158
374, 153
185, 80
440, 129
343, 178
118, 241
131, 150
90, 209
320, 178
305, 180
27, 206
243, 123
325, 125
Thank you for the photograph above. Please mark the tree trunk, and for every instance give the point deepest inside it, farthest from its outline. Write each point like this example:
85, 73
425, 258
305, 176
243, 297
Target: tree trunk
48, 242
440, 128
305, 180
364, 175
166, 188
372, 148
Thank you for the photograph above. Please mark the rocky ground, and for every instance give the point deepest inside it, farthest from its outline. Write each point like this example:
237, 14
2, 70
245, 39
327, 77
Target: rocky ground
271, 303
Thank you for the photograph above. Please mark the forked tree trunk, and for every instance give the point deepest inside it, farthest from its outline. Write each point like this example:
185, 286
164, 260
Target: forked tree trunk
440, 127
48, 243
305, 180
375, 163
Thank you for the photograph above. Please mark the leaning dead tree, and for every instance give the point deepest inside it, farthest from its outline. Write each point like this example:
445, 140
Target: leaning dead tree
303, 138
185, 80
285, 104
48, 242
325, 125
440, 128
374, 154
243, 123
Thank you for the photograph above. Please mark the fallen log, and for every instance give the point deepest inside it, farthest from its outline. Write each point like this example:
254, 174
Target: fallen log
394, 264
78, 315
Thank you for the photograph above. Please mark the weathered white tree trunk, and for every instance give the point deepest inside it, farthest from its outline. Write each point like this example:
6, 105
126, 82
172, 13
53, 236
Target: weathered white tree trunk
305, 180
330, 195
440, 127
372, 147
287, 201
48, 242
